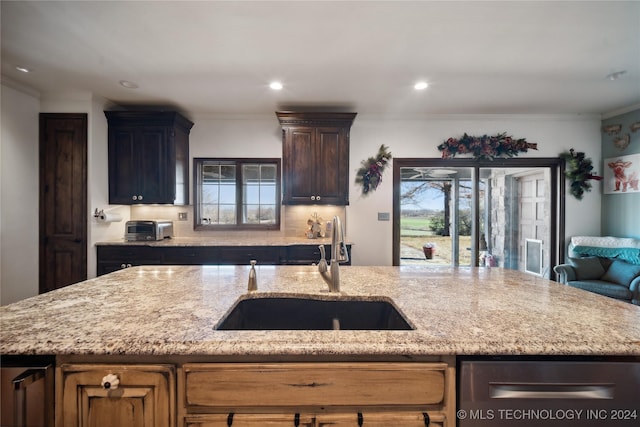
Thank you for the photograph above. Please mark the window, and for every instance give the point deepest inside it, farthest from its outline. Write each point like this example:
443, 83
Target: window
236, 193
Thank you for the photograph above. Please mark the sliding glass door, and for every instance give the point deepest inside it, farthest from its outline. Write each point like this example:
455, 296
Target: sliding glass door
470, 213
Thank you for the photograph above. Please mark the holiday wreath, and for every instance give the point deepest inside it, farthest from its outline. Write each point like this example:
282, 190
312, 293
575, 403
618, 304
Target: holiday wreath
485, 147
579, 172
370, 173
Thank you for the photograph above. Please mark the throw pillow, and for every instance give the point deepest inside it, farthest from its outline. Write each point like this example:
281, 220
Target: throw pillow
588, 268
621, 272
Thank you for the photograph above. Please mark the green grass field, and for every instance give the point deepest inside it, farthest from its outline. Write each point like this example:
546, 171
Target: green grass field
415, 232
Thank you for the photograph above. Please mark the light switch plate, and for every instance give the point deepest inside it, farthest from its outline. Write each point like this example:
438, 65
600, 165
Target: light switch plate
182, 216
383, 216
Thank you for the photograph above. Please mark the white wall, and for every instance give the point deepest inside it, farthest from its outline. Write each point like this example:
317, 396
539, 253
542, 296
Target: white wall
19, 196
260, 136
420, 138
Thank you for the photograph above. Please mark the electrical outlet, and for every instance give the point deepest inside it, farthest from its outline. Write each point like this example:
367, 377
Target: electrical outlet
182, 216
383, 216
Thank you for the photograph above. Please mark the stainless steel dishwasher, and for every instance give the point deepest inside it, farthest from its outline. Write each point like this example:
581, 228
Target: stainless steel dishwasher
27, 390
521, 392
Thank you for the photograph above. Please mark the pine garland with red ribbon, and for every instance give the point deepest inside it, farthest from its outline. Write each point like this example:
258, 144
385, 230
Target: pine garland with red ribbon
486, 147
370, 173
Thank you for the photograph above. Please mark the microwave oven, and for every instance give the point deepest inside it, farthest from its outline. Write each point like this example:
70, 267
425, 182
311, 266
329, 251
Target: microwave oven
144, 230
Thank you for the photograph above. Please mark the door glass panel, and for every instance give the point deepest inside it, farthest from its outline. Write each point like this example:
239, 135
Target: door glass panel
513, 228
436, 216
518, 221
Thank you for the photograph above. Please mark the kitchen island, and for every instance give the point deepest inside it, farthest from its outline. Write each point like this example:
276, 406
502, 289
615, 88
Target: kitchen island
161, 319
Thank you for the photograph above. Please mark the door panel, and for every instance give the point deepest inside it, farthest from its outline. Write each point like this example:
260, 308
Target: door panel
63, 200
122, 178
153, 185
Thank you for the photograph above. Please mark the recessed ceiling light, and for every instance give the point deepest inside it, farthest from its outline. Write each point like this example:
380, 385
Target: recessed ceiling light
23, 69
275, 85
616, 75
128, 84
420, 86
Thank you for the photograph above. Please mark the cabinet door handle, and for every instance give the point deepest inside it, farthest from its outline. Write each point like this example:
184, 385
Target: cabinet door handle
313, 197
123, 265
317, 197
110, 382
134, 197
140, 197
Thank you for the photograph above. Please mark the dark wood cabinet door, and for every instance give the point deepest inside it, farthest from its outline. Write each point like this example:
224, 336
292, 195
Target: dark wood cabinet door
123, 182
154, 156
332, 154
299, 181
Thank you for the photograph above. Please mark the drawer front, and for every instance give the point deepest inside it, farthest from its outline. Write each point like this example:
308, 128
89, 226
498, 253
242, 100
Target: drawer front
127, 253
190, 255
242, 255
251, 420
314, 384
382, 419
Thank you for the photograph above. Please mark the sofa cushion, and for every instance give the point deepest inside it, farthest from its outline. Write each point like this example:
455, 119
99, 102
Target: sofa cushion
601, 287
588, 268
621, 272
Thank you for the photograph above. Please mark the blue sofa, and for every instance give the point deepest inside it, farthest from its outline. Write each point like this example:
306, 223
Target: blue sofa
605, 265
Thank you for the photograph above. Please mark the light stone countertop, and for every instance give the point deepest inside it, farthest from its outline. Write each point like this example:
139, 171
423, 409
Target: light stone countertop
165, 310
257, 240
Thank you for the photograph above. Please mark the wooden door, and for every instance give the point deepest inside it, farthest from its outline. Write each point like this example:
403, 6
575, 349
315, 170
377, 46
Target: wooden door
63, 200
144, 396
533, 208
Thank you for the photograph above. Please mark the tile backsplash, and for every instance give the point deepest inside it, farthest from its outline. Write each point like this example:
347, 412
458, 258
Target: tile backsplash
293, 221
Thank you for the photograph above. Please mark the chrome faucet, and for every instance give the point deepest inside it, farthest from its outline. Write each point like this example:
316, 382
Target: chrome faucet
338, 254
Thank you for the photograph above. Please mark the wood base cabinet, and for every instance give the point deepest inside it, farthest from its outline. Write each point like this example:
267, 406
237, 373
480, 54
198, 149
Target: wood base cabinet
318, 394
116, 395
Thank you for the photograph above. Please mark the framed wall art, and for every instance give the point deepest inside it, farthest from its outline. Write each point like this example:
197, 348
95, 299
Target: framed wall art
622, 174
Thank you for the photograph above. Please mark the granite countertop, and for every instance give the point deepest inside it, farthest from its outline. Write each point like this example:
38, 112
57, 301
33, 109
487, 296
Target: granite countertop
169, 310
258, 240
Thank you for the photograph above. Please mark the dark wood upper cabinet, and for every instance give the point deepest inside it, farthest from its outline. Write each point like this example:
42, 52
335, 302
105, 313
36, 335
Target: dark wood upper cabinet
315, 157
148, 157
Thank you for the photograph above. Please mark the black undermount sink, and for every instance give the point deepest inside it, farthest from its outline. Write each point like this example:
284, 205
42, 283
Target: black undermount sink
292, 313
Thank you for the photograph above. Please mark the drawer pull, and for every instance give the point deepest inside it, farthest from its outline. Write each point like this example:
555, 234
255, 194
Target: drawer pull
296, 420
110, 382
360, 419
230, 419
427, 420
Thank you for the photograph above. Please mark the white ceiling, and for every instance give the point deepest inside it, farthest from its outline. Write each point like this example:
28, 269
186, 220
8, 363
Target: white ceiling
219, 57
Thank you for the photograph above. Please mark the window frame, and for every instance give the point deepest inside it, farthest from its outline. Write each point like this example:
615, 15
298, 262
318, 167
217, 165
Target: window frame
198, 162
